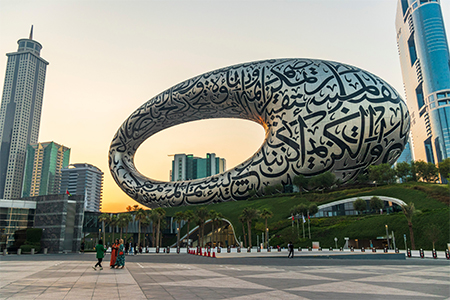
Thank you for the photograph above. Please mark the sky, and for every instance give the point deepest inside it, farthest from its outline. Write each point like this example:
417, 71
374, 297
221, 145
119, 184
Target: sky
109, 57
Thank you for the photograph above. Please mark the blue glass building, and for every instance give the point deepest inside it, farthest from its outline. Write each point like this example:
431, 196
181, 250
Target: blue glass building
424, 57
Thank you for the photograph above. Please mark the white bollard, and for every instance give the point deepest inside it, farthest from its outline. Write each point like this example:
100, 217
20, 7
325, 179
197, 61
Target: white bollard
32, 251
19, 251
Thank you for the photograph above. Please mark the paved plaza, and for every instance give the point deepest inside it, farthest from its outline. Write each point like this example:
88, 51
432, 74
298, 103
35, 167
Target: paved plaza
243, 276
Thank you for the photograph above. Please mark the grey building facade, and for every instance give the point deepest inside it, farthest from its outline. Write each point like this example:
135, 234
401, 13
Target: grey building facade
85, 180
20, 113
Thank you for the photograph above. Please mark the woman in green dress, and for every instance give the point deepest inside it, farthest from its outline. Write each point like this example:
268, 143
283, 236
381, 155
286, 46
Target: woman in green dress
120, 262
100, 254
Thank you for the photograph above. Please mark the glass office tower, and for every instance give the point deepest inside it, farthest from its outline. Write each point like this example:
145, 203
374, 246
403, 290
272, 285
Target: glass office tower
44, 162
20, 112
424, 57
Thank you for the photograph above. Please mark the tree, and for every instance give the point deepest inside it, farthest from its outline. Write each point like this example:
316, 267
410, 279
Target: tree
189, 216
154, 217
426, 171
273, 189
301, 182
376, 203
433, 233
104, 218
403, 171
444, 168
409, 210
323, 181
313, 209
242, 220
360, 205
202, 215
381, 174
124, 220
160, 214
139, 215
113, 223
178, 217
250, 214
216, 218
265, 214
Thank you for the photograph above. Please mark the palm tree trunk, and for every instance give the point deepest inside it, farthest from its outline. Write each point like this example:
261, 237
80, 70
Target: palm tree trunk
249, 225
245, 236
411, 236
212, 242
139, 233
104, 234
178, 234
187, 235
267, 233
157, 234
121, 231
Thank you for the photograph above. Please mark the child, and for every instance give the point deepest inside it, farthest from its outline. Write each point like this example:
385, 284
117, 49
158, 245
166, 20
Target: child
100, 254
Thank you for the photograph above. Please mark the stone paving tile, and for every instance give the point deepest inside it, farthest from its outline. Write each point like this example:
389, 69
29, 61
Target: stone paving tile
189, 277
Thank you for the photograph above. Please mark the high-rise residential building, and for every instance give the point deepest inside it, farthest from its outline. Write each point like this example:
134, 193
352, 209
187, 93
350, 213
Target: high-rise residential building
188, 167
424, 57
42, 175
84, 179
20, 112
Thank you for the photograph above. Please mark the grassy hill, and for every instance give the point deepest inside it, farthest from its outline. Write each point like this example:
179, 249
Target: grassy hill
431, 199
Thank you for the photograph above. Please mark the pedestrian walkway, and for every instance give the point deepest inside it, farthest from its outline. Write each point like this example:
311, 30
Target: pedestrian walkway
182, 276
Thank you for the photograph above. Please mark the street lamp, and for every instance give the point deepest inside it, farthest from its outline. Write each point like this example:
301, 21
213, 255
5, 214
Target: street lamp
387, 236
335, 242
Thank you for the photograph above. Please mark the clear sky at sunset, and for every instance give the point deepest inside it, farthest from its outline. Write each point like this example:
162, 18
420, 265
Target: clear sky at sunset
109, 57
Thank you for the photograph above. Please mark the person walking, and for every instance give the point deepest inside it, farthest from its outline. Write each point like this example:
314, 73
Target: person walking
291, 250
120, 261
114, 251
100, 254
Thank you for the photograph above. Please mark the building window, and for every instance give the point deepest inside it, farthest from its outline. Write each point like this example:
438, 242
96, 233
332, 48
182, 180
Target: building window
419, 95
412, 50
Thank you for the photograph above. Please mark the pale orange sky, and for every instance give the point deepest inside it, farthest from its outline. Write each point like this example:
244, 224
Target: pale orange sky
109, 57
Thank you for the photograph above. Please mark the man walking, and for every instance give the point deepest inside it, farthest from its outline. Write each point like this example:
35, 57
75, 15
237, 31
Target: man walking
291, 250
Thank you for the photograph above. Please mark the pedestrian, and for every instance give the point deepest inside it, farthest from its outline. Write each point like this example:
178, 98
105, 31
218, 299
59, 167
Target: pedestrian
120, 261
82, 247
291, 250
100, 254
126, 248
115, 249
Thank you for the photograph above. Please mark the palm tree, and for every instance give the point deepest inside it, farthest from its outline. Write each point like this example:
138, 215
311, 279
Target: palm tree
122, 222
250, 214
216, 219
265, 214
178, 217
104, 218
160, 214
202, 214
139, 215
154, 216
113, 223
409, 210
127, 218
242, 220
189, 216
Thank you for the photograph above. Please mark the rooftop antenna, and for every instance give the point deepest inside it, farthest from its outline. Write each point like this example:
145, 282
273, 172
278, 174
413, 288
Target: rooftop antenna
31, 33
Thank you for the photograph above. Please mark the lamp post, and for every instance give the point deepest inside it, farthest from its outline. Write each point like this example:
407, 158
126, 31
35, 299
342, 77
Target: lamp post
387, 236
335, 242
267, 237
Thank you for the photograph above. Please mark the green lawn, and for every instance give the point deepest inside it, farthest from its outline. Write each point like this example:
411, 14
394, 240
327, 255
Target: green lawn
431, 199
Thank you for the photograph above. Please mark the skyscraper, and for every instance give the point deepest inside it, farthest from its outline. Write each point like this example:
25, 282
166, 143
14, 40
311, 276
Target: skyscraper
188, 167
84, 179
42, 175
20, 112
425, 63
